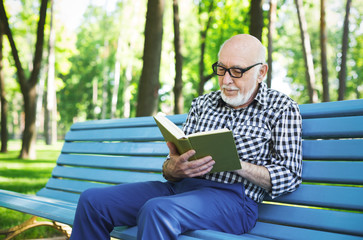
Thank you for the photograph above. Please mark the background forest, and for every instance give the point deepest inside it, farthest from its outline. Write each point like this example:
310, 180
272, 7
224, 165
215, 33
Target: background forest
129, 58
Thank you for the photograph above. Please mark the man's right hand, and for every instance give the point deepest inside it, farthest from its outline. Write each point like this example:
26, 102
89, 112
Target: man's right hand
179, 167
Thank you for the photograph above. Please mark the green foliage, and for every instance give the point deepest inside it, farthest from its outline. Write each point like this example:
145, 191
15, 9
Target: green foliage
288, 49
85, 59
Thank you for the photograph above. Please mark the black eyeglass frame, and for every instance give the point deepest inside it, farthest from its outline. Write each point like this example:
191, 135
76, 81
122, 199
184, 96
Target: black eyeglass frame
243, 70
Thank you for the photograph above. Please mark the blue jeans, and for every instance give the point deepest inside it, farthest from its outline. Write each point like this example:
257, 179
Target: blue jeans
164, 210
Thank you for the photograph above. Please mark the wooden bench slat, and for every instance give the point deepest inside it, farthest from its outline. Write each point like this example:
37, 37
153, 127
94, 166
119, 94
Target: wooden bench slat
72, 185
113, 162
35, 205
178, 119
318, 219
103, 175
211, 234
343, 127
130, 233
333, 149
332, 109
123, 148
61, 195
276, 231
333, 172
116, 134
349, 198
339, 127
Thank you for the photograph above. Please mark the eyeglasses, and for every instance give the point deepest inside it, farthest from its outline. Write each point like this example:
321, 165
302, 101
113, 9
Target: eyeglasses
234, 72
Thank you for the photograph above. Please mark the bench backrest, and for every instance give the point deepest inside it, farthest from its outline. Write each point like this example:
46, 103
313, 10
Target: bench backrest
102, 152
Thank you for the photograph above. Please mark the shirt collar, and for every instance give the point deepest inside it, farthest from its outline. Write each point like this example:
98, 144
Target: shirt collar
261, 96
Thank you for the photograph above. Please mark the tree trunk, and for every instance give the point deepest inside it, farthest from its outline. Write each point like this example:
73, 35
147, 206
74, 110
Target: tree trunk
149, 81
271, 31
324, 62
50, 123
256, 18
203, 38
94, 108
28, 87
127, 88
29, 133
309, 65
105, 80
4, 103
343, 64
116, 80
178, 83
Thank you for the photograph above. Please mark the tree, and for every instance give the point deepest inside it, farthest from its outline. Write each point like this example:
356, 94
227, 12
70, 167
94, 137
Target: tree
256, 19
50, 118
178, 83
271, 31
28, 86
203, 42
116, 79
343, 63
308, 58
149, 81
323, 53
4, 103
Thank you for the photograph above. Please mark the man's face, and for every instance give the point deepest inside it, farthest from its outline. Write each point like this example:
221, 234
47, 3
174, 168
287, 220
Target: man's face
237, 91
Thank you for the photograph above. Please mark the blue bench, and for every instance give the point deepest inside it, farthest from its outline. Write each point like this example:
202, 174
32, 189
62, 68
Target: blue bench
328, 205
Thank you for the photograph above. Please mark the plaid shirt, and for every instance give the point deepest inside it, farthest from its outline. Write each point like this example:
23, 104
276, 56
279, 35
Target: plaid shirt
267, 133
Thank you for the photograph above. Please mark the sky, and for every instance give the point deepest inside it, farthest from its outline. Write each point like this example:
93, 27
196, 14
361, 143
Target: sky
70, 12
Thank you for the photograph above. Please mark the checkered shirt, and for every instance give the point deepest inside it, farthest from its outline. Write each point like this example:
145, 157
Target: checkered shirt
267, 133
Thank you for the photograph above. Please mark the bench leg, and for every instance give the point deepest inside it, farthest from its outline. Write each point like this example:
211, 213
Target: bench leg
32, 222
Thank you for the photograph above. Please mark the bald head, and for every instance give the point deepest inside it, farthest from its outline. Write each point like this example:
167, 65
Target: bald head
245, 45
241, 54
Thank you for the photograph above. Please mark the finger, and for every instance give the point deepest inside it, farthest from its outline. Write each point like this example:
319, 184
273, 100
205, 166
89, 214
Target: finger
172, 148
187, 155
201, 171
198, 163
201, 168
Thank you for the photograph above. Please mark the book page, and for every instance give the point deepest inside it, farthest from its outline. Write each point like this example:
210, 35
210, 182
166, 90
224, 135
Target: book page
209, 132
170, 126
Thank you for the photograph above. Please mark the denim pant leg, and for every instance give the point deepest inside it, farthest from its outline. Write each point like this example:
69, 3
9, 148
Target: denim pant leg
99, 210
197, 204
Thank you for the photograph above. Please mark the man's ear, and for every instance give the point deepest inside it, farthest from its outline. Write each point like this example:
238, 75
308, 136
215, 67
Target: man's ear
262, 73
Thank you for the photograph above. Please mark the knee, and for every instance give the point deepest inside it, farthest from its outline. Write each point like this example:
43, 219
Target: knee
90, 197
157, 208
156, 220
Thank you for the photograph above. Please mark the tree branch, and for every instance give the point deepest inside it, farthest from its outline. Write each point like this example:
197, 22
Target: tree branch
39, 44
20, 71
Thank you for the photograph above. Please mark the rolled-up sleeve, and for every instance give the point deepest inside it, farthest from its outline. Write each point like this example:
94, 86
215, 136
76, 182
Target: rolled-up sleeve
285, 167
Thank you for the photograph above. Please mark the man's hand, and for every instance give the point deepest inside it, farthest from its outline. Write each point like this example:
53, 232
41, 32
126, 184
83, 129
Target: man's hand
179, 167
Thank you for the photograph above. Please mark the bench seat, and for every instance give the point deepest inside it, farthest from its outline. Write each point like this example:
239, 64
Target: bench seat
328, 205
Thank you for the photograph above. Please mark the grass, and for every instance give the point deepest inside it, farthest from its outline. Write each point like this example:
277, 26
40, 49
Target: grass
26, 176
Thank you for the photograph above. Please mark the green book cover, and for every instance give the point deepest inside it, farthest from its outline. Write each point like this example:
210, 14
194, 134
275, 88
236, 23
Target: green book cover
216, 143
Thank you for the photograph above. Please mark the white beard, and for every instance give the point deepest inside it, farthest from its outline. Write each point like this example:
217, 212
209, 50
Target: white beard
240, 99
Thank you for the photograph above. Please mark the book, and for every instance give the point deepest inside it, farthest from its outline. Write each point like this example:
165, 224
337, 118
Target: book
216, 143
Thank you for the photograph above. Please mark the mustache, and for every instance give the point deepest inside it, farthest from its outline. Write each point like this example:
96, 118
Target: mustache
229, 87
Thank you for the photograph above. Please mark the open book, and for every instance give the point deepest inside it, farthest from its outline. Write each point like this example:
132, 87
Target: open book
216, 143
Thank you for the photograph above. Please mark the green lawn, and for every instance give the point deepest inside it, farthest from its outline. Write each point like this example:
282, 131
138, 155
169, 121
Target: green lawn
26, 176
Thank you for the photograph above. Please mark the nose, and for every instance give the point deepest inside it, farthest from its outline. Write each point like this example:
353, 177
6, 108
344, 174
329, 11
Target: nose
227, 79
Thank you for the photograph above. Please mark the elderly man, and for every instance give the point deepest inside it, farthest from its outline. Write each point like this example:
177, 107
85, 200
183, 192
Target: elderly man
266, 125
